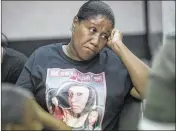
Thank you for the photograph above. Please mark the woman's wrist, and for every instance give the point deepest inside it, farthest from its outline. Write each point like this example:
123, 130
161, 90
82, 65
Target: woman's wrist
118, 48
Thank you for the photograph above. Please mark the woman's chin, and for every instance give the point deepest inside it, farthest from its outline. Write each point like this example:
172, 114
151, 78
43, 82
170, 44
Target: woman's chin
87, 57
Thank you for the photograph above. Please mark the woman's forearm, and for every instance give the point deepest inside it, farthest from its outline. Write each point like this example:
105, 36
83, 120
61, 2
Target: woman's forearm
137, 69
49, 121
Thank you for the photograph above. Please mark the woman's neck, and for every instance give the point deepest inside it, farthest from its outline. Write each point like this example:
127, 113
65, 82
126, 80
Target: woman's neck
70, 52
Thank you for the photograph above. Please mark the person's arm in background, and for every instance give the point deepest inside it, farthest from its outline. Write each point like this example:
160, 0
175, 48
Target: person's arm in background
137, 69
17, 69
49, 121
12, 64
26, 81
159, 109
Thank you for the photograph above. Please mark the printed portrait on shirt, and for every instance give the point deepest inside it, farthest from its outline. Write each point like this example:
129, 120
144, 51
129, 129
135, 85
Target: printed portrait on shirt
76, 103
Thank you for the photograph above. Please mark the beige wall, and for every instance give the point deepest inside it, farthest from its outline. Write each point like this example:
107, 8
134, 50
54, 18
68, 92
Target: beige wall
35, 19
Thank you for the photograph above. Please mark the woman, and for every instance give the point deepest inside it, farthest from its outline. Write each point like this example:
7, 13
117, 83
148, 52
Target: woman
94, 119
56, 111
72, 107
113, 69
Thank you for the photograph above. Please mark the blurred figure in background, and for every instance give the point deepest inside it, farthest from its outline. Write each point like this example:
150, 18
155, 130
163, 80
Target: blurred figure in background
12, 62
159, 109
21, 112
18, 110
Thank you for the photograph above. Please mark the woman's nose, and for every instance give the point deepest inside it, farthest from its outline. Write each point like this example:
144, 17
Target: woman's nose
95, 40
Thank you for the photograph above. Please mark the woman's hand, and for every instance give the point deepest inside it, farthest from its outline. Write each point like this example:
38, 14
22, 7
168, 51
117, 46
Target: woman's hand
137, 69
115, 41
48, 120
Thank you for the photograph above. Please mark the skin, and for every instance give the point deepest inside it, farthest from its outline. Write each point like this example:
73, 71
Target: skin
89, 38
48, 120
137, 69
31, 119
78, 97
93, 117
36, 118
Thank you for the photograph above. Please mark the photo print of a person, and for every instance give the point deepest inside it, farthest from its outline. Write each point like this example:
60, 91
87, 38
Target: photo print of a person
73, 102
93, 120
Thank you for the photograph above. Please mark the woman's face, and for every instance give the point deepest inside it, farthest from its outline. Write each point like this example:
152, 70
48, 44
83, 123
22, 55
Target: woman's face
93, 117
90, 36
77, 98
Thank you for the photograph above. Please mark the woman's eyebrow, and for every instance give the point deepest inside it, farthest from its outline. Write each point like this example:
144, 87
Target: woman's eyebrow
107, 33
93, 23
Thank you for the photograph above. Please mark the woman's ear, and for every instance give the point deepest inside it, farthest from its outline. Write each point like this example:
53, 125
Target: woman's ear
75, 22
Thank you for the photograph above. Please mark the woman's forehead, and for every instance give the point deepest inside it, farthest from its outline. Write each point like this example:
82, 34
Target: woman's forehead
79, 89
99, 21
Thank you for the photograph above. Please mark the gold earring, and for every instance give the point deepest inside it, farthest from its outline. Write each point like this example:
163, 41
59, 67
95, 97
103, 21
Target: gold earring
73, 28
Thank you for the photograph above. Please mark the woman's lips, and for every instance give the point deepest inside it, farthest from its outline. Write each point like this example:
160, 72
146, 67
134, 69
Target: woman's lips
87, 48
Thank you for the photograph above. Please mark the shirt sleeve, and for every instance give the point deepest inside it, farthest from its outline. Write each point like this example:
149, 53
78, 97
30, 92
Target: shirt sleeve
17, 69
25, 79
128, 84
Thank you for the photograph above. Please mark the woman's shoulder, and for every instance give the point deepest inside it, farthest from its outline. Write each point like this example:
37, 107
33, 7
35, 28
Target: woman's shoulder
110, 57
51, 48
110, 53
44, 53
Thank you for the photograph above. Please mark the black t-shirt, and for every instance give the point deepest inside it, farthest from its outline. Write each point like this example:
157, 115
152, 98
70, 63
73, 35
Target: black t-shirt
12, 65
74, 91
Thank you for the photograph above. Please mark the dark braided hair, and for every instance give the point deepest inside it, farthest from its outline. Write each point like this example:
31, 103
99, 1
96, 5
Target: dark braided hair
95, 8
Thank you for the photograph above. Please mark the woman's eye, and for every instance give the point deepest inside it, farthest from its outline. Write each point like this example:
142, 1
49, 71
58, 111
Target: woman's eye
93, 30
104, 36
79, 94
70, 94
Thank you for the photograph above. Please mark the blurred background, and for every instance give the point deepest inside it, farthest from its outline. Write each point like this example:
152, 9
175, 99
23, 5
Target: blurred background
31, 24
